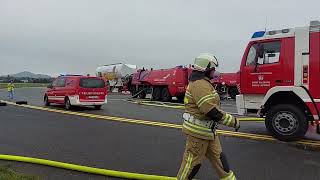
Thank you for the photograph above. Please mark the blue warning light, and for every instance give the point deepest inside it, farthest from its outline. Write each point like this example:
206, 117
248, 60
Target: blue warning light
258, 34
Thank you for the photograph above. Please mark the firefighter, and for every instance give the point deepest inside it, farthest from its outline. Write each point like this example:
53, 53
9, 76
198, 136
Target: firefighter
200, 121
10, 88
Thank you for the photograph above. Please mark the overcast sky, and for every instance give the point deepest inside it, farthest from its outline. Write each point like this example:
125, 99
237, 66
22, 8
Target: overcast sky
76, 36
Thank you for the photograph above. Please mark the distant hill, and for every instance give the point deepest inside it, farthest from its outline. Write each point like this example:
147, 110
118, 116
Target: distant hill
27, 74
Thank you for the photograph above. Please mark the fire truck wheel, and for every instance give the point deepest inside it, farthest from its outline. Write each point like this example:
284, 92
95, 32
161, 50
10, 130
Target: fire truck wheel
286, 122
233, 92
165, 95
142, 95
156, 94
133, 93
46, 101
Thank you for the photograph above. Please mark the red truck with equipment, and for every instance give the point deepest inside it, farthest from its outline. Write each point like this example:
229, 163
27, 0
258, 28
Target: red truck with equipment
163, 84
227, 84
279, 77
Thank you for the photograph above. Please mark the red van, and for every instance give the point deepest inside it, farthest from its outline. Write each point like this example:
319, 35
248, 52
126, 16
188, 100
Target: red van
77, 90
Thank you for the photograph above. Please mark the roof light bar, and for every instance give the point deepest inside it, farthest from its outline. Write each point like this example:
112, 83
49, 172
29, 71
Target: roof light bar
258, 34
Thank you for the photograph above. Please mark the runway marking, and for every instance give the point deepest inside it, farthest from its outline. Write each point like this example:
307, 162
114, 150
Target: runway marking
116, 99
148, 103
166, 125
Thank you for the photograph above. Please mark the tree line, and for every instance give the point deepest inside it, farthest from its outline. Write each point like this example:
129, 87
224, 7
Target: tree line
8, 79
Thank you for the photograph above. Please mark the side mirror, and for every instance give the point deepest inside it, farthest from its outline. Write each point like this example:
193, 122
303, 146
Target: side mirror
50, 86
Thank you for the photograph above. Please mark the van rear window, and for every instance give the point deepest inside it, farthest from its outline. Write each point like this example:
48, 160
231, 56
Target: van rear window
91, 83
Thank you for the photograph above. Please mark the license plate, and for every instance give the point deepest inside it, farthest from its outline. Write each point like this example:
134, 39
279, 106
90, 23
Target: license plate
93, 97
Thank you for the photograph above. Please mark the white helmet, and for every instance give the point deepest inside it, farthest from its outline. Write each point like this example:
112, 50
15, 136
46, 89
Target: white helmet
205, 62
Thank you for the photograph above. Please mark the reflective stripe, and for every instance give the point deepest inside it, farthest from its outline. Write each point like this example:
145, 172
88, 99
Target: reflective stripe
188, 94
193, 120
187, 167
230, 176
201, 128
210, 135
227, 120
206, 98
205, 101
185, 100
194, 130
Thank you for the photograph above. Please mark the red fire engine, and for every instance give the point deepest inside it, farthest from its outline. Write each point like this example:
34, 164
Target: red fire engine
280, 78
163, 84
227, 84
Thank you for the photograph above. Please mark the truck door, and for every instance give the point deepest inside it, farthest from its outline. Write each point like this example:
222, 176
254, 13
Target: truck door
259, 74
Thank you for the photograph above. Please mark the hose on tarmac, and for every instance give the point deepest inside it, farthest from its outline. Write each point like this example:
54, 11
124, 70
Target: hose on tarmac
85, 169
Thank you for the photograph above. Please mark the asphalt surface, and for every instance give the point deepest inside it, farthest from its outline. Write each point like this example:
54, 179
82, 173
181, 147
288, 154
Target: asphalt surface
119, 107
132, 147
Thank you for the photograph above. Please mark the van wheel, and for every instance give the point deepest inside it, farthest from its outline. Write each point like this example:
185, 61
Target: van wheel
165, 95
97, 107
286, 122
156, 96
46, 101
67, 104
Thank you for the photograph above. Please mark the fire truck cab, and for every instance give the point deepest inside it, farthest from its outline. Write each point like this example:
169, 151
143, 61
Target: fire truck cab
280, 79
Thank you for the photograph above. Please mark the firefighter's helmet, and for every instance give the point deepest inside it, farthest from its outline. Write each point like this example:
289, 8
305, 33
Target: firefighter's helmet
205, 62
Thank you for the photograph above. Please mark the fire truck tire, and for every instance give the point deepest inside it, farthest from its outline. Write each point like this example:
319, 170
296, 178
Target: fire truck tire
156, 94
133, 93
46, 101
286, 122
142, 95
165, 95
233, 92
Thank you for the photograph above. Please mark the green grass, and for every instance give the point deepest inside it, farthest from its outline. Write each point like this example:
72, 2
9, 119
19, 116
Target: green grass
7, 173
23, 85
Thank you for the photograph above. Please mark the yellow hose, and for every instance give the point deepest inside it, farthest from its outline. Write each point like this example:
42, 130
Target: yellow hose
85, 169
250, 119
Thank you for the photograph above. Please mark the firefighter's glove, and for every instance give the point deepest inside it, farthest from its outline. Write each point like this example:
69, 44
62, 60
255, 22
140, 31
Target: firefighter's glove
236, 124
230, 121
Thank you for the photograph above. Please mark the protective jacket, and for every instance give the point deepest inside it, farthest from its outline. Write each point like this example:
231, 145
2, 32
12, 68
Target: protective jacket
202, 108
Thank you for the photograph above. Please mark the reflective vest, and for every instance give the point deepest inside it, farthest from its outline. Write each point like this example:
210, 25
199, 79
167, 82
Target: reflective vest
10, 87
